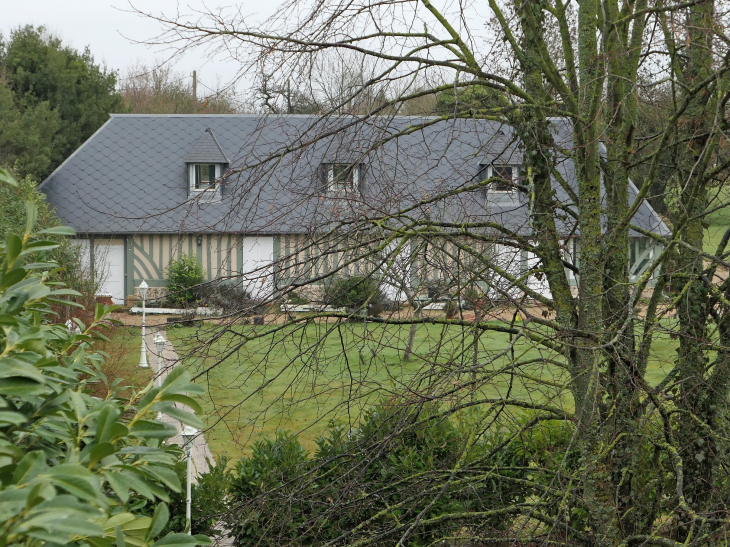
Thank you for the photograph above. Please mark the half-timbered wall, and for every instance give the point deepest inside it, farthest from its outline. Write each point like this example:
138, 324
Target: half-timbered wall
256, 261
222, 256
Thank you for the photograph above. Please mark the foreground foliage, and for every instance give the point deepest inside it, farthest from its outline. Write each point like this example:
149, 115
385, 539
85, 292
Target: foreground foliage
75, 469
358, 482
565, 83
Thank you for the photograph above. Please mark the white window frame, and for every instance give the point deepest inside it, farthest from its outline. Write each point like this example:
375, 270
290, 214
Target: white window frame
515, 176
331, 178
213, 192
570, 254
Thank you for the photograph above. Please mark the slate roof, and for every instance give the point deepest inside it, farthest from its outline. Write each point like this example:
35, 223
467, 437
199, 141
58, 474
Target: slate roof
206, 150
131, 175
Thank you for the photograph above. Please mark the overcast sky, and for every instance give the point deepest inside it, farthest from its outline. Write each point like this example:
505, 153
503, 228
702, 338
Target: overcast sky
108, 28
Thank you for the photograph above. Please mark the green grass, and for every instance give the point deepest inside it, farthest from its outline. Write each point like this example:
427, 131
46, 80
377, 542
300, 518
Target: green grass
123, 351
299, 379
718, 221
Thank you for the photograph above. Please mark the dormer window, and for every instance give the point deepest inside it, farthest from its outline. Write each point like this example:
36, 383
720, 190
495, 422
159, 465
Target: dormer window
340, 178
205, 175
204, 179
506, 176
206, 163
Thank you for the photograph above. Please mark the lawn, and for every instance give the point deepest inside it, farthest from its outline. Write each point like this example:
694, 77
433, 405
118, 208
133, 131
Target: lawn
718, 221
300, 378
123, 350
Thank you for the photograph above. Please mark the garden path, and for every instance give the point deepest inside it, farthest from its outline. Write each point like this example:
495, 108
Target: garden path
170, 359
201, 452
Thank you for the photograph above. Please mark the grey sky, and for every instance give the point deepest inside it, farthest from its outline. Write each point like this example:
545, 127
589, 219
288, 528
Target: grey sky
108, 29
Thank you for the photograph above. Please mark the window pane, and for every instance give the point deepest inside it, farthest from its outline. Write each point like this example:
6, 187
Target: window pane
341, 178
197, 176
204, 175
504, 172
483, 171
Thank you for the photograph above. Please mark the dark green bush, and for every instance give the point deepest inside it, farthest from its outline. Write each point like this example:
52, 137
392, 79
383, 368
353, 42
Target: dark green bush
184, 278
208, 499
67, 255
354, 293
295, 299
362, 483
228, 297
261, 511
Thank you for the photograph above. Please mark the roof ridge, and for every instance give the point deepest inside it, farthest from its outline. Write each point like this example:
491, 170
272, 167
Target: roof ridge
215, 139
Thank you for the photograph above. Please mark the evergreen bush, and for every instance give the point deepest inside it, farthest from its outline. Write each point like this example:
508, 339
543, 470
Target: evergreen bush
354, 293
184, 279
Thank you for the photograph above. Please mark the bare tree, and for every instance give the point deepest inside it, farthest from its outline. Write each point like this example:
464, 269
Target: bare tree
159, 90
644, 462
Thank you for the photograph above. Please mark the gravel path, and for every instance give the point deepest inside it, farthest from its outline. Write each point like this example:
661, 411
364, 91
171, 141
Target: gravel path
200, 450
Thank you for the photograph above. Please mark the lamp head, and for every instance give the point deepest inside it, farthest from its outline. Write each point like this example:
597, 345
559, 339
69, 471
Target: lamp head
143, 289
188, 434
159, 342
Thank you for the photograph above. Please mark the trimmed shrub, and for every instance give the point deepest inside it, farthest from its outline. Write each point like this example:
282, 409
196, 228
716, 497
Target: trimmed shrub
261, 512
184, 279
354, 293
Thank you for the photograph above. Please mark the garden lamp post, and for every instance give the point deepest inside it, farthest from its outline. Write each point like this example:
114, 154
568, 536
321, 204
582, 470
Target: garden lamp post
160, 345
188, 434
143, 293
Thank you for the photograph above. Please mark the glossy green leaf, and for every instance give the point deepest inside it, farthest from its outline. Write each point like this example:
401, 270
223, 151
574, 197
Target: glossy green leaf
118, 520
38, 246
159, 521
8, 321
7, 178
183, 399
12, 277
11, 367
118, 431
40, 266
31, 217
176, 380
58, 231
8, 417
65, 292
119, 536
139, 485
75, 479
12, 502
32, 465
99, 452
14, 246
56, 522
148, 397
153, 429
188, 418
20, 387
118, 484
165, 475
105, 421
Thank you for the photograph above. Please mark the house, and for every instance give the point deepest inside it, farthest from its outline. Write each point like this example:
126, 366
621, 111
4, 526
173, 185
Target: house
258, 198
